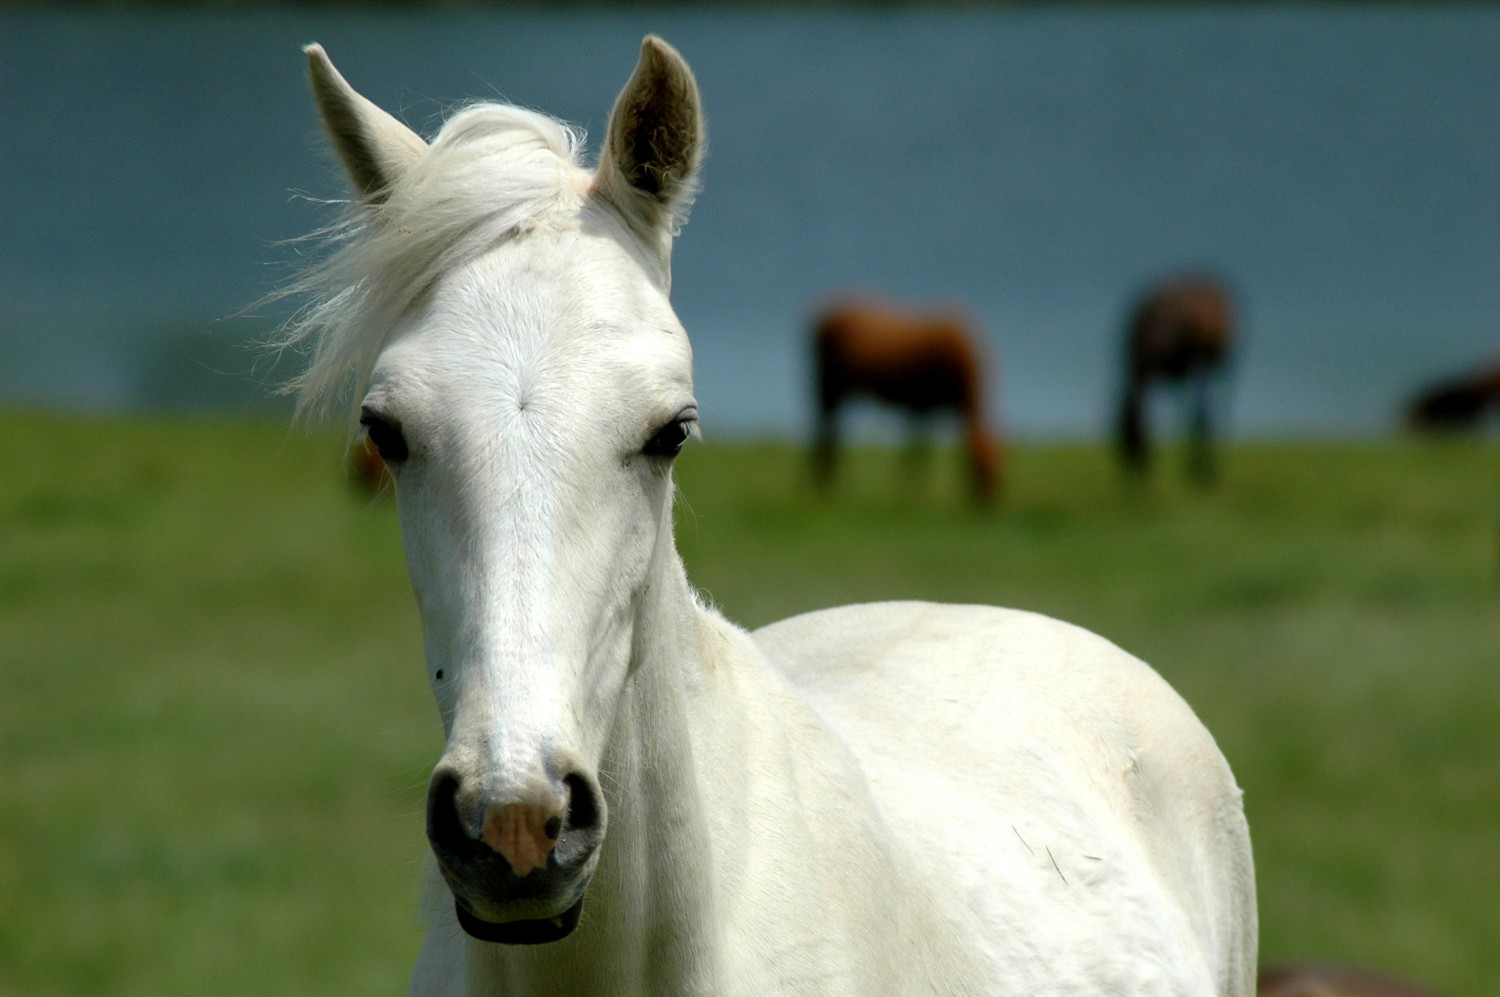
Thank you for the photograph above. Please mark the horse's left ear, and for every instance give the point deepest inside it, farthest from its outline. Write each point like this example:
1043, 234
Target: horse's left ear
649, 169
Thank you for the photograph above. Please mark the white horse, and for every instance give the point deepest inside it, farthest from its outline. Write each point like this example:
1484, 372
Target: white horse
637, 796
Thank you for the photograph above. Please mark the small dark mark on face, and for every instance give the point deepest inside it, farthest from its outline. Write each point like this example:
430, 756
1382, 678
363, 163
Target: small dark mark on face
553, 827
439, 675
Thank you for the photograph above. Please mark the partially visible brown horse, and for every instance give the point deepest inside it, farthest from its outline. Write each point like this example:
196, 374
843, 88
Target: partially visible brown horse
365, 468
921, 363
1180, 332
1458, 403
1333, 981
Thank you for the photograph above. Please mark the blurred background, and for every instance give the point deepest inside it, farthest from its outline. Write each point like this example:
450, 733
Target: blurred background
214, 730
1037, 165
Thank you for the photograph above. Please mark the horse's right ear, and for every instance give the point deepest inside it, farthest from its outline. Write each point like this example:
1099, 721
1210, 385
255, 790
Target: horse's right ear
374, 147
649, 168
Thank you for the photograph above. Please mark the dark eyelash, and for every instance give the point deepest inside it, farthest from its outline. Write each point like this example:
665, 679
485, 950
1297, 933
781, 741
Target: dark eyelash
668, 441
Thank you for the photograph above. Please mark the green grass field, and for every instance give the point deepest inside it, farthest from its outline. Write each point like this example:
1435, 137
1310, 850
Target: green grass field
215, 732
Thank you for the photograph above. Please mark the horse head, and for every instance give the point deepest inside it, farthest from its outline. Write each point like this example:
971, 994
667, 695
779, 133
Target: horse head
502, 315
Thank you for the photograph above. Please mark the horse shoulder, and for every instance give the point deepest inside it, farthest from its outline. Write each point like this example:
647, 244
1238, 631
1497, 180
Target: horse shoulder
784, 794
1081, 780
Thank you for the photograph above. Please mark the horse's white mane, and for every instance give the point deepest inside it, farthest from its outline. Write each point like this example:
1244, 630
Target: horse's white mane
494, 171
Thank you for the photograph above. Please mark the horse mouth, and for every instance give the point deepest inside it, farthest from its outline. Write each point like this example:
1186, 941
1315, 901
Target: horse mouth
538, 931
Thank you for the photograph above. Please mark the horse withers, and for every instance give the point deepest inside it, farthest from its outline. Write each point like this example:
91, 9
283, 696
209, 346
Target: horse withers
923, 364
635, 796
1181, 334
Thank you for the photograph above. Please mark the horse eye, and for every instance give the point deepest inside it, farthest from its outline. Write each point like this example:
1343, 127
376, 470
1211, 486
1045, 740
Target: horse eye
669, 439
385, 434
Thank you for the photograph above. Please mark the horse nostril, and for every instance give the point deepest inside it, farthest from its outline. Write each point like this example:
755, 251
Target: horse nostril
583, 804
444, 828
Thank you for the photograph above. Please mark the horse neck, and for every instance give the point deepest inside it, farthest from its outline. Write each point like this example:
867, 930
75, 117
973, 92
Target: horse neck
657, 871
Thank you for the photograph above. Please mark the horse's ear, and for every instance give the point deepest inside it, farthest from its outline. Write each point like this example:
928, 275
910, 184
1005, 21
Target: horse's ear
649, 168
374, 147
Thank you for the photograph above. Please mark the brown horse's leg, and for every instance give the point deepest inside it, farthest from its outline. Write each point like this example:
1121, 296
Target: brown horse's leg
828, 394
1134, 449
826, 444
917, 456
1202, 468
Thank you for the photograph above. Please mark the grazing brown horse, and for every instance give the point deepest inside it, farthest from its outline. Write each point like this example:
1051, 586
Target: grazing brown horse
1333, 981
1457, 403
1181, 333
921, 363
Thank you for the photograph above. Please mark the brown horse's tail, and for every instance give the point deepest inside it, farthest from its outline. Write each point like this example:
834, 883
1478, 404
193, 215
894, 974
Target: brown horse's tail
986, 455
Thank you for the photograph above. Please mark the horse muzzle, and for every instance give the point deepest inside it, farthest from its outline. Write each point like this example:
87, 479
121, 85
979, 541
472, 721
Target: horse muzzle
518, 870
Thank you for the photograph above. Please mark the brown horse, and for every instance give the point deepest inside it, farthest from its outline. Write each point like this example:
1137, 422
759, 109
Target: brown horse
1458, 403
365, 468
1333, 981
920, 363
1181, 333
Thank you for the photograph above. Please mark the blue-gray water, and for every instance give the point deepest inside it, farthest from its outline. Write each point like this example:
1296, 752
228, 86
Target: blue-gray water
1339, 165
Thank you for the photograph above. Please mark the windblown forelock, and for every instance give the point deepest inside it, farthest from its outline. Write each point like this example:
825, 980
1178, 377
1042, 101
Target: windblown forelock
493, 172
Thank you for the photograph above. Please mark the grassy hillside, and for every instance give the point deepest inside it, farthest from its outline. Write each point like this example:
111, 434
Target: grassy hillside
215, 733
